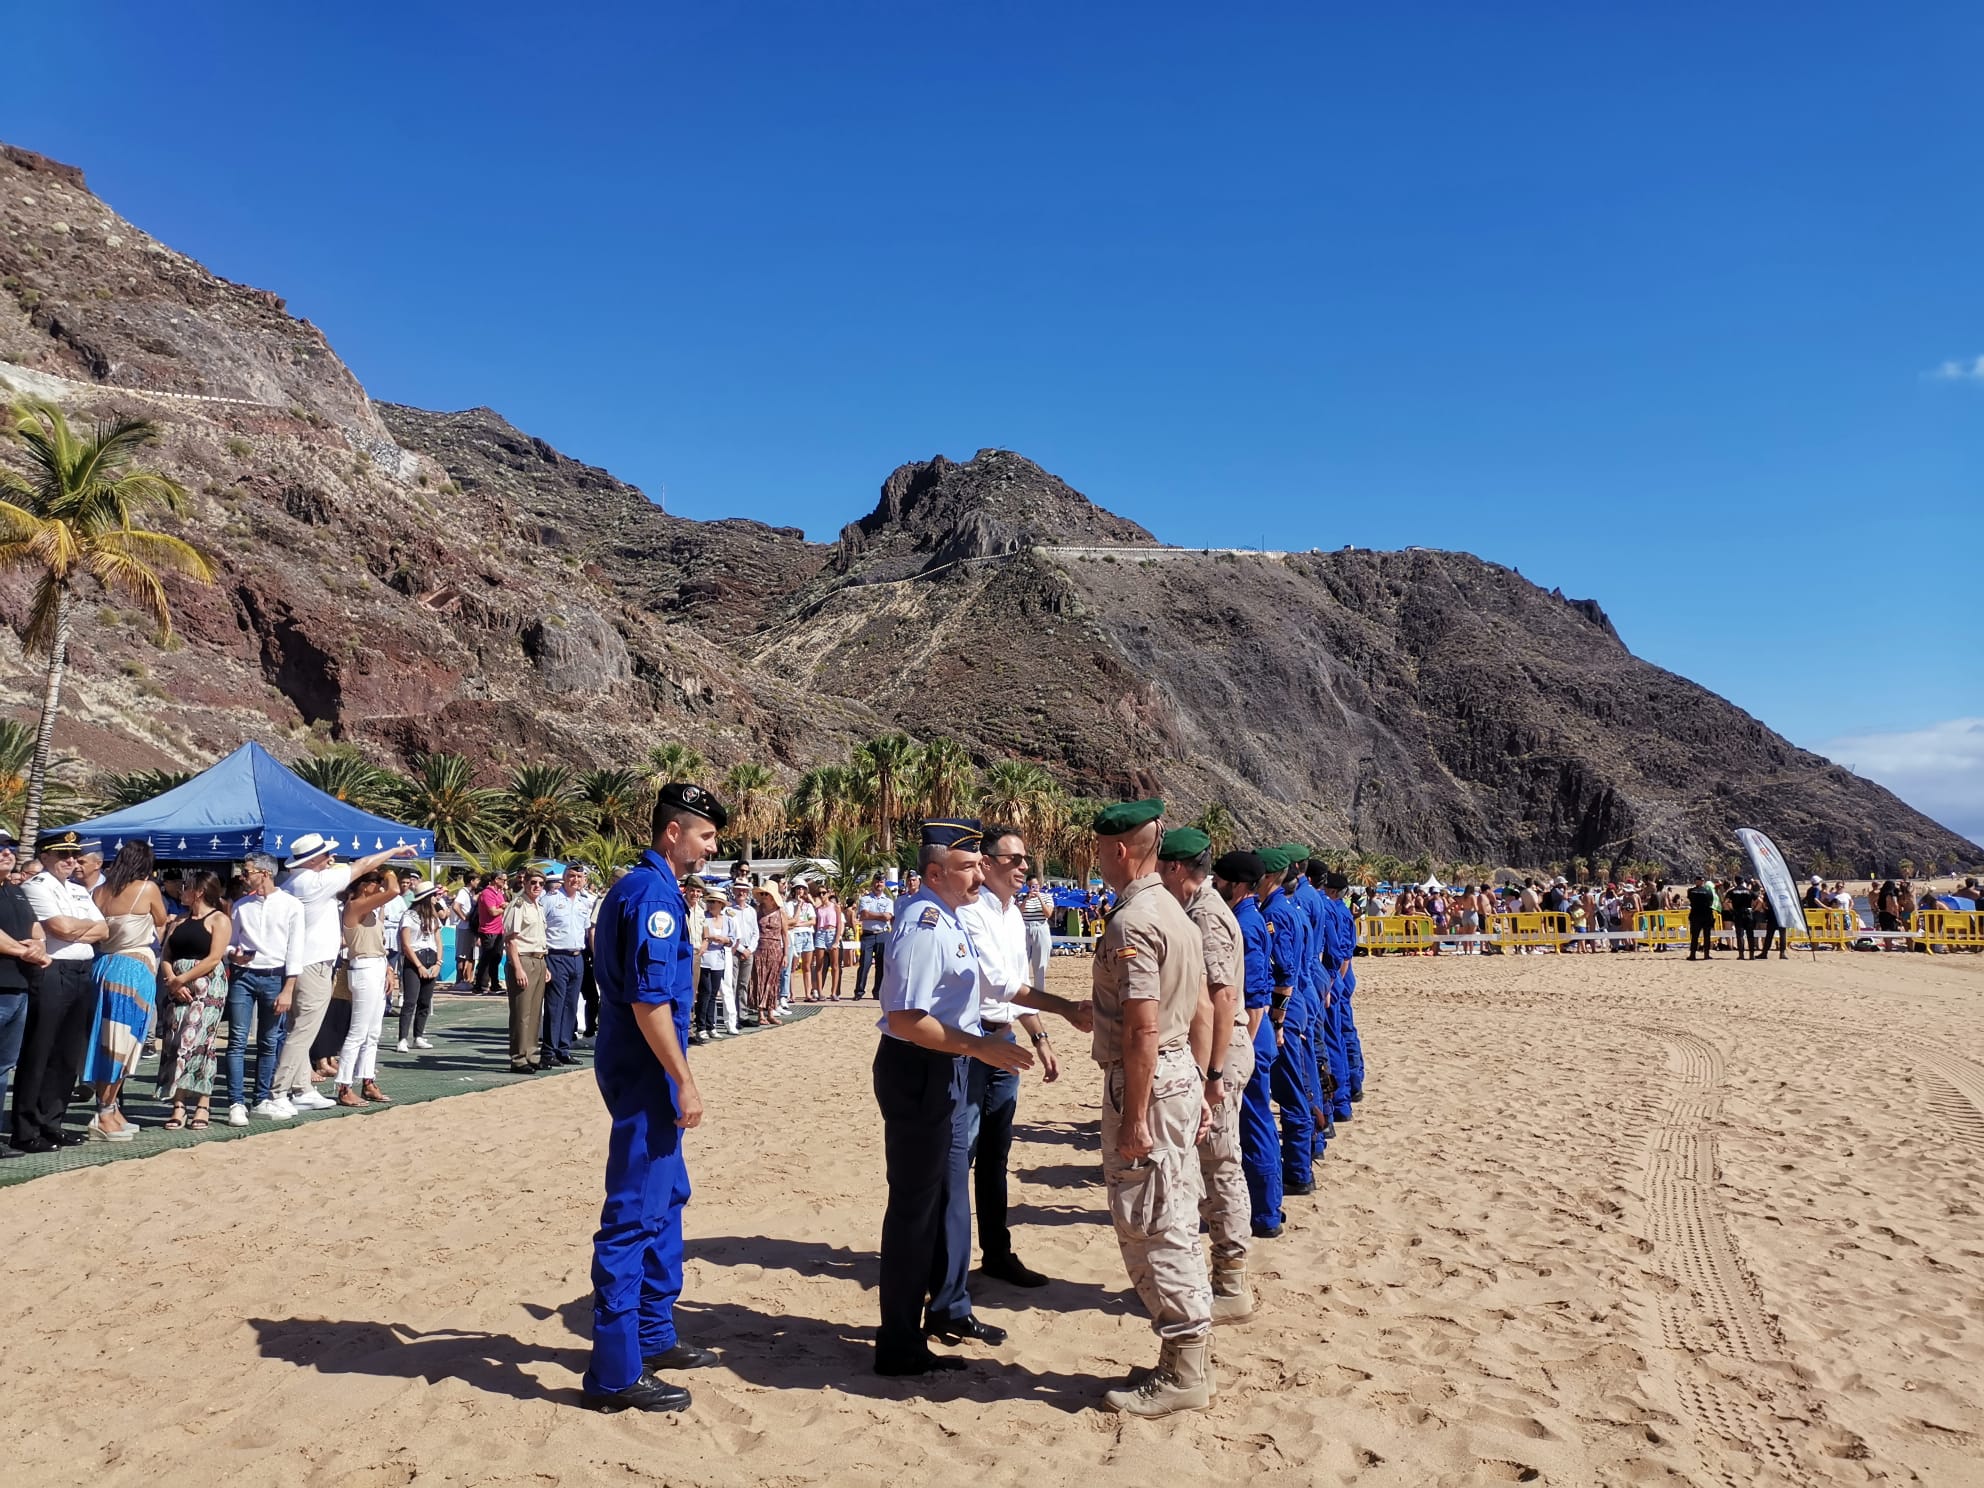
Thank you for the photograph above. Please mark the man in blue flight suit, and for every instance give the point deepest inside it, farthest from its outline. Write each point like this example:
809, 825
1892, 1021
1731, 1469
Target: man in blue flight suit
1308, 991
1332, 1072
1288, 1011
1260, 1156
1344, 949
645, 966
931, 1032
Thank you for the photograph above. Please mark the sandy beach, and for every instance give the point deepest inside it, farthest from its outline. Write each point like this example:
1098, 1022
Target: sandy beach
1601, 1219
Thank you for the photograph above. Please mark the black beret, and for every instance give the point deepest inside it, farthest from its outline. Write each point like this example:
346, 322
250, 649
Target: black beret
686, 797
1336, 881
1239, 866
953, 831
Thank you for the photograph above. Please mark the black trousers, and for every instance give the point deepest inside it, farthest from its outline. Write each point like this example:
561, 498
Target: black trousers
709, 987
926, 1229
1773, 930
1746, 936
61, 1013
1701, 937
489, 951
589, 995
875, 949
995, 1099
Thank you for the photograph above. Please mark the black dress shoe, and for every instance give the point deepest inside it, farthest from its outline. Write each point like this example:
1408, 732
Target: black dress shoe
1298, 1188
898, 1366
1266, 1231
1010, 1268
682, 1356
7, 1150
36, 1146
645, 1394
1357, 1095
954, 1331
71, 1139
1329, 1130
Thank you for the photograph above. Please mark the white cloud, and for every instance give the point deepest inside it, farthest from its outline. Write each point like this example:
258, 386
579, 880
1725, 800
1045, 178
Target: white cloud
1939, 770
1960, 371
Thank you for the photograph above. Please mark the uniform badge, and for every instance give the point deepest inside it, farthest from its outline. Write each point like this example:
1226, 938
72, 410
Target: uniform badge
661, 924
1126, 953
929, 917
961, 950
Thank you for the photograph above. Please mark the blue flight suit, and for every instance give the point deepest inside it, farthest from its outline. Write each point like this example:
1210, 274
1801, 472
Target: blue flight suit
1345, 949
1322, 1026
641, 955
1292, 1077
1260, 1156
927, 1111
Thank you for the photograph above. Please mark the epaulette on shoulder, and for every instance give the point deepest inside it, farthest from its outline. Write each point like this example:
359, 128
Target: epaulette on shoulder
930, 917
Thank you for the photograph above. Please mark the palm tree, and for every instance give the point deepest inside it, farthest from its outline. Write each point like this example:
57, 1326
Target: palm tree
1075, 842
61, 797
674, 761
885, 767
1218, 824
619, 801
355, 780
946, 779
541, 808
133, 788
753, 802
1017, 793
443, 797
602, 852
848, 859
74, 516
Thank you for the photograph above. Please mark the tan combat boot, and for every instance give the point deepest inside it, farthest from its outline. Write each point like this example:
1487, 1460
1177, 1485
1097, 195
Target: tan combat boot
1185, 1383
1232, 1298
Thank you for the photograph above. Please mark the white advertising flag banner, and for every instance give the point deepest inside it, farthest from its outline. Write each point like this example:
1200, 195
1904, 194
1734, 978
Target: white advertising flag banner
1775, 876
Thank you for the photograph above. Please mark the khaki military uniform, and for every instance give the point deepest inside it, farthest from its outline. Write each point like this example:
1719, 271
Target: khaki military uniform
1226, 1209
1149, 949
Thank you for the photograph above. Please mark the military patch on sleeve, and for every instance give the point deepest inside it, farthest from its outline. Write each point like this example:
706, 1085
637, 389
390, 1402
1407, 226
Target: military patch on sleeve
1127, 953
661, 924
929, 917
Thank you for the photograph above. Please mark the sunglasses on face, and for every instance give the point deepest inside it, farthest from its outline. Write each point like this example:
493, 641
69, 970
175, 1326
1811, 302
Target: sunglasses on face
1010, 857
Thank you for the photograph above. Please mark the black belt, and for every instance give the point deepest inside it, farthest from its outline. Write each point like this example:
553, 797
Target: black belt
988, 1023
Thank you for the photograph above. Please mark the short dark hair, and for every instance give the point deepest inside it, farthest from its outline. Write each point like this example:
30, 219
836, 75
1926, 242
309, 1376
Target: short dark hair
665, 812
992, 836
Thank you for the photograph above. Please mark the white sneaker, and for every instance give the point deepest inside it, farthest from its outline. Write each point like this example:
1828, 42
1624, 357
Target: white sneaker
307, 1099
423, 1043
403, 1047
237, 1114
269, 1110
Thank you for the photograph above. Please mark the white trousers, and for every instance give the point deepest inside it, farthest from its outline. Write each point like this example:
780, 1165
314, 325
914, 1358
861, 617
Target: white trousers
359, 1059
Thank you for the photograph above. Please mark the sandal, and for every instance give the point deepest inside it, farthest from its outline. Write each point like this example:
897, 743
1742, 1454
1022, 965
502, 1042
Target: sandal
346, 1098
177, 1120
202, 1119
371, 1091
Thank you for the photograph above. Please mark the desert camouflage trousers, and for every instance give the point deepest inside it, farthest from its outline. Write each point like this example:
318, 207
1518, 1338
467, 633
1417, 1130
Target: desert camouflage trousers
1226, 1209
1154, 1203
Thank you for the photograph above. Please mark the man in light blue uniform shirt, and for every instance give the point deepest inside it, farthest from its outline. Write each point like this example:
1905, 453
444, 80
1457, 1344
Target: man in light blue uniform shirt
567, 922
646, 970
930, 1032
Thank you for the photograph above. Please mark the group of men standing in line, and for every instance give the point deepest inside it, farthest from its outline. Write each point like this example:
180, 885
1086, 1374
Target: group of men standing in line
1219, 1014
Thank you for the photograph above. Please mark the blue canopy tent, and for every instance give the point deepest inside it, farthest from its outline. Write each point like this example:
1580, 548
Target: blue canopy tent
249, 802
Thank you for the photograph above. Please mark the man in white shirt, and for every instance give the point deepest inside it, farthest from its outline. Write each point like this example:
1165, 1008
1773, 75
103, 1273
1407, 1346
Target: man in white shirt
568, 913
877, 912
1008, 993
62, 1010
743, 917
315, 880
265, 956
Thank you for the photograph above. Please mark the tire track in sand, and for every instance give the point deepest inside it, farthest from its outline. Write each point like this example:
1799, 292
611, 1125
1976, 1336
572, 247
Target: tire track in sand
1961, 1106
1719, 1345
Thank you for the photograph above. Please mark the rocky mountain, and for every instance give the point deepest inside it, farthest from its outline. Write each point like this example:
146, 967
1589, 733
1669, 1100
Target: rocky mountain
409, 580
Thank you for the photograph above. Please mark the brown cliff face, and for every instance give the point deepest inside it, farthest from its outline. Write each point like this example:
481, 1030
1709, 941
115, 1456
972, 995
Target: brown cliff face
412, 580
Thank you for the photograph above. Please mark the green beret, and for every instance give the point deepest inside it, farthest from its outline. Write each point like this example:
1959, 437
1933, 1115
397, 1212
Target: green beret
1295, 852
1273, 860
1182, 844
1127, 816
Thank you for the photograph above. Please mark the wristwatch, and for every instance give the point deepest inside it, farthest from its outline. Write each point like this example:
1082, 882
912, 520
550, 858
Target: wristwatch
1215, 1074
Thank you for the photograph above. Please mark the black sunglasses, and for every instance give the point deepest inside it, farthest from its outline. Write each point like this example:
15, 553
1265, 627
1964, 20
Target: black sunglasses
1010, 857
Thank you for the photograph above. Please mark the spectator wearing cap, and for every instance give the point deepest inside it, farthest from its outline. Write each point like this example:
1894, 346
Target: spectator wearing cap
23, 954
568, 911
1184, 863
743, 951
713, 939
1149, 979
646, 969
266, 954
876, 912
62, 1009
317, 881
931, 1037
524, 948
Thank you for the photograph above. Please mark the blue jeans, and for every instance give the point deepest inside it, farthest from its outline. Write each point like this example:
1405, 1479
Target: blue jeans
252, 992
13, 1023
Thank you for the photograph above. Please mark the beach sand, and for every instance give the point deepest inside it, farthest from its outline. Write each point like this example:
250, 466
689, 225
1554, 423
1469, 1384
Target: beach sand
1601, 1219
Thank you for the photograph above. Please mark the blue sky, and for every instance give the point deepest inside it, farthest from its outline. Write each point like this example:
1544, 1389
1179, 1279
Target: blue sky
1681, 309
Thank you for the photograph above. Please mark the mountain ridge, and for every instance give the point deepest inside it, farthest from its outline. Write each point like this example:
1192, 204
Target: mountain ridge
405, 579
